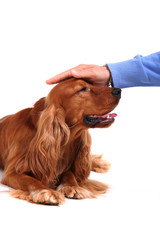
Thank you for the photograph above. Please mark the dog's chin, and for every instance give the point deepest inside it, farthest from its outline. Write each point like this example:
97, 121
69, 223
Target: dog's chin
99, 121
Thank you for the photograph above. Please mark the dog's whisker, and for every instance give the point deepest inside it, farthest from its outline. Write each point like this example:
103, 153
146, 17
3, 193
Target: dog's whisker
74, 125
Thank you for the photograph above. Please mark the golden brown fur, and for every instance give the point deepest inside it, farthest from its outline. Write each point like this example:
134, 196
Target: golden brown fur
45, 150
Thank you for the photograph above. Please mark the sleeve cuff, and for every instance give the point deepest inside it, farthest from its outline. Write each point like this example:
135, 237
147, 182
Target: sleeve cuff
127, 73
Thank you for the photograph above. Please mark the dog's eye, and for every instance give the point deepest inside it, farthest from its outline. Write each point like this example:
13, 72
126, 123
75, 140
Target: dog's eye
84, 89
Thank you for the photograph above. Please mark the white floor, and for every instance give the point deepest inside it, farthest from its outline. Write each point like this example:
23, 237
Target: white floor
130, 209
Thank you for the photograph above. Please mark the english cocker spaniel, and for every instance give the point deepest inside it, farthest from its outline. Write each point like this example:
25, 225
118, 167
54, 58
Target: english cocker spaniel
45, 150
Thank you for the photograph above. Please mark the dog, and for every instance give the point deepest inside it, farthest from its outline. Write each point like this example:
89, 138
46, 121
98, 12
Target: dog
45, 150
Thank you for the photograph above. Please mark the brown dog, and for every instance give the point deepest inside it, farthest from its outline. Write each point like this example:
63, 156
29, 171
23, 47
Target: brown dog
45, 150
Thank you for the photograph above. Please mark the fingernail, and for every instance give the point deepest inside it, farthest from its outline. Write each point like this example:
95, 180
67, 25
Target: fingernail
48, 81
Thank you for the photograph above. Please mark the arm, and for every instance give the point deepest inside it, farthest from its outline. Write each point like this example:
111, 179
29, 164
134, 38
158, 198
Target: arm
139, 71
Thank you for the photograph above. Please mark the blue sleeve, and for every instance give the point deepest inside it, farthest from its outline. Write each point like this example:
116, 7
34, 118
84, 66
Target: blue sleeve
139, 71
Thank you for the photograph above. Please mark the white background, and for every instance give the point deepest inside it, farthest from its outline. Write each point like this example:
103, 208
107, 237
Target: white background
39, 39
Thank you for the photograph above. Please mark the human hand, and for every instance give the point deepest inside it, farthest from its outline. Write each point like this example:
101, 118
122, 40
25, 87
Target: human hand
97, 75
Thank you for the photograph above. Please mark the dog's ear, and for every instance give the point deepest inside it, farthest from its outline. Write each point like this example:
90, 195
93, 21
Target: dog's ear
47, 145
82, 165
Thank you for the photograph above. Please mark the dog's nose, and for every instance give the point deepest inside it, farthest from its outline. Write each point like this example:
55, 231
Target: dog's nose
116, 92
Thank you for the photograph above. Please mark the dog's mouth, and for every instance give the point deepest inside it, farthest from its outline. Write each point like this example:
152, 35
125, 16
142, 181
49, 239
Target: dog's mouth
99, 120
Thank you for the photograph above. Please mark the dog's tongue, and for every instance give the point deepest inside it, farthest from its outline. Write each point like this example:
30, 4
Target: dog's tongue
111, 115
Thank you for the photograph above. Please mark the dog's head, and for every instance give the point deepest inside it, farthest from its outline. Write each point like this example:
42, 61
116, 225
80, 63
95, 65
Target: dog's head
84, 104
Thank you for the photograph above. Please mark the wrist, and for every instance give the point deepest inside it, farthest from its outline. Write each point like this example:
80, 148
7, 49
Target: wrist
109, 82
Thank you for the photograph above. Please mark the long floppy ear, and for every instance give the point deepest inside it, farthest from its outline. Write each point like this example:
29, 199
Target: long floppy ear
47, 145
82, 165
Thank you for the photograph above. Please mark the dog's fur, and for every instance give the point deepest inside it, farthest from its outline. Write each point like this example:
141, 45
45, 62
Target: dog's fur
45, 150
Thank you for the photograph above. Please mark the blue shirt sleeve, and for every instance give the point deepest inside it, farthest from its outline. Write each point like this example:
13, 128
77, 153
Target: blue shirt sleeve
139, 71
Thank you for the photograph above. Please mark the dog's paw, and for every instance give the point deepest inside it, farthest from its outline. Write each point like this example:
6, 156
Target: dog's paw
46, 196
74, 192
99, 165
20, 195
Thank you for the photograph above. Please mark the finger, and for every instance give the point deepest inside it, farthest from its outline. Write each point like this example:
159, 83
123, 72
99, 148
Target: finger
82, 73
60, 77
